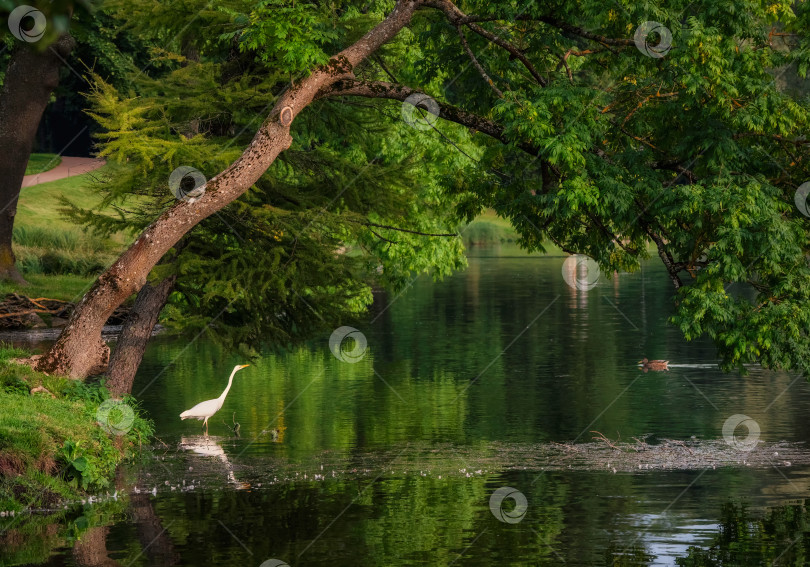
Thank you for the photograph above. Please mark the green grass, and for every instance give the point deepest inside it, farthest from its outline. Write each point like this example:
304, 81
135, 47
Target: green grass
42, 250
46, 243
40, 163
65, 287
53, 449
39, 204
488, 229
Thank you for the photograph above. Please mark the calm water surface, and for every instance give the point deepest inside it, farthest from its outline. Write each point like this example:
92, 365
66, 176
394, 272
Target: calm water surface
392, 460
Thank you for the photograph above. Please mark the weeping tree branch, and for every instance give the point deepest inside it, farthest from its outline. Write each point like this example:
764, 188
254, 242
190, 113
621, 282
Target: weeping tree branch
478, 65
559, 24
457, 18
381, 89
663, 253
554, 22
417, 232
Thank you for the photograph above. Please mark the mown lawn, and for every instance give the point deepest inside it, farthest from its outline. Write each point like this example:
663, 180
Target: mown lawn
57, 257
67, 287
40, 163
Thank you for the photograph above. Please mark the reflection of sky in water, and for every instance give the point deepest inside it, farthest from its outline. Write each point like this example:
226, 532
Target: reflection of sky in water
670, 536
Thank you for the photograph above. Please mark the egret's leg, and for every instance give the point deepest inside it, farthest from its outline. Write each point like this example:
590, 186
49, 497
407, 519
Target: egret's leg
206, 426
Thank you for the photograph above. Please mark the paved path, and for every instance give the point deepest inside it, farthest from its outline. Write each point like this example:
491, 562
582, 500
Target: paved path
69, 167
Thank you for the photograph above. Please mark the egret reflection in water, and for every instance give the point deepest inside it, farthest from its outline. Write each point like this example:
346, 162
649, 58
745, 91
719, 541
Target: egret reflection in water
208, 447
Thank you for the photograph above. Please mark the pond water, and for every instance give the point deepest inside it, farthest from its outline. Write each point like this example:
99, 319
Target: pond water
394, 459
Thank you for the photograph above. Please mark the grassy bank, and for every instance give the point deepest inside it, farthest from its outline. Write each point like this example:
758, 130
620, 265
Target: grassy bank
68, 287
47, 244
488, 230
40, 163
52, 446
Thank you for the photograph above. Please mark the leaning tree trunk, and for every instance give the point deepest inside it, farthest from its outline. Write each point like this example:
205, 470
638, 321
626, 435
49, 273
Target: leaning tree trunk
90, 550
137, 330
155, 540
79, 348
30, 79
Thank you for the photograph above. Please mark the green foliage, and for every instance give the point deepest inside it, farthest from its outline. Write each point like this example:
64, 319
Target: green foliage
53, 447
697, 152
300, 251
482, 232
288, 35
76, 467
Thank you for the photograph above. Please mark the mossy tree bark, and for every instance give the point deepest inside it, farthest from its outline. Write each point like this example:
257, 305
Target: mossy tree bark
31, 77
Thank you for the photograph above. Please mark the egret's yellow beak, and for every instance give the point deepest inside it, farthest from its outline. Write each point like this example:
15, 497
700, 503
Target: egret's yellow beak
244, 366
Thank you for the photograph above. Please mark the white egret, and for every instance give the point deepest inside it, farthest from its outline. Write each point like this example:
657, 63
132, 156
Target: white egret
206, 409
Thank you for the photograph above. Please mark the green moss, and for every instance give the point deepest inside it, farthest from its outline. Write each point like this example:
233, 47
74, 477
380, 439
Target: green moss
53, 448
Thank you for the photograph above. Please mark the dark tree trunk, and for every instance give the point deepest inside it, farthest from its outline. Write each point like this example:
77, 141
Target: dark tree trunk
79, 348
91, 549
137, 330
30, 79
155, 540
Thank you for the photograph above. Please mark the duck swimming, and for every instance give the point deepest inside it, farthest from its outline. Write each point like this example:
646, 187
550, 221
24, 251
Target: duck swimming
654, 365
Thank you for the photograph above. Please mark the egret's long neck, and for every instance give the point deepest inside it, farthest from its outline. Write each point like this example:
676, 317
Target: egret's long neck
230, 381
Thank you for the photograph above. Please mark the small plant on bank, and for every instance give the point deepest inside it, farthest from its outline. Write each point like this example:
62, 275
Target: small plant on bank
54, 449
